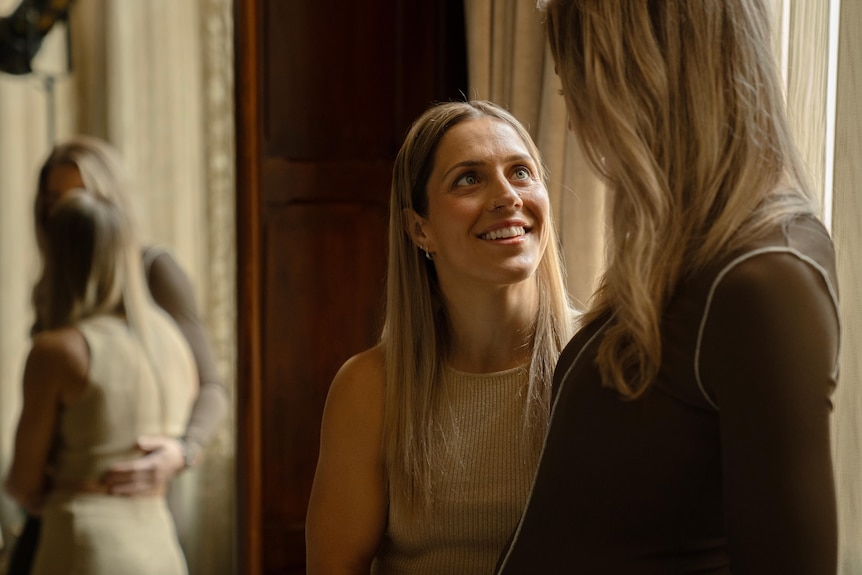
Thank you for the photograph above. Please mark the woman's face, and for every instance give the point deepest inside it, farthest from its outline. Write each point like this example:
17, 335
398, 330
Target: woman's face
488, 209
61, 178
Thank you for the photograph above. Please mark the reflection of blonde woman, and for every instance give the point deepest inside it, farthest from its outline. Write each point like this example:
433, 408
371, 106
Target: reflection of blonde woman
94, 165
107, 366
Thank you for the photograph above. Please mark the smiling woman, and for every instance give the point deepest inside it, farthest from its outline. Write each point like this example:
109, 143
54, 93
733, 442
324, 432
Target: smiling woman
439, 426
487, 219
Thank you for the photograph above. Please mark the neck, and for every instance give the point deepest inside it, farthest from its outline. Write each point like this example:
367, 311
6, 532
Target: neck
491, 330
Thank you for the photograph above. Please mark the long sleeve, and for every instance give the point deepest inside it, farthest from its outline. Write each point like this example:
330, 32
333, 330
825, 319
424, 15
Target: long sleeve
769, 359
172, 291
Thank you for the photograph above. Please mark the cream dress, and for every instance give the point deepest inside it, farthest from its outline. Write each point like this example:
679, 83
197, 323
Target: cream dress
88, 533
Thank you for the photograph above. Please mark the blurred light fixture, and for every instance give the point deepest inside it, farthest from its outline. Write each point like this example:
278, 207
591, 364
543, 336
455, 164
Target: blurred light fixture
22, 32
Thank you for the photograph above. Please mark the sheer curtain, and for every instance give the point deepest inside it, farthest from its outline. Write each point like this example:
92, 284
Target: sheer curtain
821, 55
509, 64
155, 79
820, 51
846, 215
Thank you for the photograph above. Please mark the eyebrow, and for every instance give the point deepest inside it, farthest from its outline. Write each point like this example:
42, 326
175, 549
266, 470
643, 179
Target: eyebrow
475, 163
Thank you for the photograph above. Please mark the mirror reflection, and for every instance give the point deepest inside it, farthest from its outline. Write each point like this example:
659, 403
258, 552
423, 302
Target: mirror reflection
153, 82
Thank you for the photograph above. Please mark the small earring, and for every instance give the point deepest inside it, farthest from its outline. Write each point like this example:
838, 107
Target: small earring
427, 254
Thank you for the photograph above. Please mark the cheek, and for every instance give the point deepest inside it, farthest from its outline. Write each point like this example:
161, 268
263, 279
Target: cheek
455, 213
540, 203
540, 206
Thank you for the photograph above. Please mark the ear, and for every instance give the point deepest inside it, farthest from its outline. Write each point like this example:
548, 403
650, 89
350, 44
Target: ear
414, 225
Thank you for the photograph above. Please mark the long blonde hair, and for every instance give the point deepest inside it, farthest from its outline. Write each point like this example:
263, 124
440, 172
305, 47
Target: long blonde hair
678, 105
103, 176
416, 334
101, 270
86, 243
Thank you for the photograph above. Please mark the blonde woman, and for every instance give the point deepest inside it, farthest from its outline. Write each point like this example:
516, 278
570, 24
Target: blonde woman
690, 425
91, 164
429, 440
106, 367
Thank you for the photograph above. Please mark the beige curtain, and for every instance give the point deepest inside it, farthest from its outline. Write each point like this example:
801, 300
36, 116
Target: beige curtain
509, 65
821, 64
155, 79
847, 213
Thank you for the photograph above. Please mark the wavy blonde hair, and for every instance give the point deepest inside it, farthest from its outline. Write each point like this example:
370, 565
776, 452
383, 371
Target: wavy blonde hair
416, 335
678, 105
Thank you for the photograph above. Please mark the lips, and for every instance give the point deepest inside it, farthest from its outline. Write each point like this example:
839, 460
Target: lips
504, 233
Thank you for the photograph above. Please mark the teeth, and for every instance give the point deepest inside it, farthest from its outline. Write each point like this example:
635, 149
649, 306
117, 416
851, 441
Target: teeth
509, 232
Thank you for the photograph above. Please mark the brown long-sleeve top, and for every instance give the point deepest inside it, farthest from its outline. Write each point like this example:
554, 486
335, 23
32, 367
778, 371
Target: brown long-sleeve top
724, 467
172, 291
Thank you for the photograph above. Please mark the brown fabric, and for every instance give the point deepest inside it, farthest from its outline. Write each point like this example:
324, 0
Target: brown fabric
735, 477
173, 292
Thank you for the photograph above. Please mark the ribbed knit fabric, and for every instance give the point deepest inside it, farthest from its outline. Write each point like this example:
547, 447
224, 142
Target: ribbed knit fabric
480, 486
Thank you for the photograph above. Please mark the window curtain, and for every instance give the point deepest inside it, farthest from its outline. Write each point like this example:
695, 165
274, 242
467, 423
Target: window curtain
155, 79
821, 53
509, 64
846, 214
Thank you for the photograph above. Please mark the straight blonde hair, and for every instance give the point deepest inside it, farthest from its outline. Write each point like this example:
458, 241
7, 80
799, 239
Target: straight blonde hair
85, 243
97, 268
416, 334
679, 106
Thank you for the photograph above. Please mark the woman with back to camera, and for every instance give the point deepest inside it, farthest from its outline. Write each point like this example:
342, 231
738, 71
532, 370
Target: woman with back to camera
689, 429
107, 367
429, 440
91, 164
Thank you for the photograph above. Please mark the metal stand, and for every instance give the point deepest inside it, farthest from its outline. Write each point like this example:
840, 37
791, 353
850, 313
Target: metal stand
49, 84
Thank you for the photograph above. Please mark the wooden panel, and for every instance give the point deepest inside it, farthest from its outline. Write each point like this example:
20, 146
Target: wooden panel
325, 94
285, 181
323, 280
342, 58
344, 80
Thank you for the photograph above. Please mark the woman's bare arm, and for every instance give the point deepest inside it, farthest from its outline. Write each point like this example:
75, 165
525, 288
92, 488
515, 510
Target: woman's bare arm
347, 511
55, 373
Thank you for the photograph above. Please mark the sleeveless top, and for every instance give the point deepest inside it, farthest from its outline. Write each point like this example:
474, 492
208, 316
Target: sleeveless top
480, 485
124, 398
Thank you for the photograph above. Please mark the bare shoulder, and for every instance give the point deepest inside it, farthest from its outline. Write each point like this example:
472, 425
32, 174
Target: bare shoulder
356, 392
362, 374
64, 349
59, 358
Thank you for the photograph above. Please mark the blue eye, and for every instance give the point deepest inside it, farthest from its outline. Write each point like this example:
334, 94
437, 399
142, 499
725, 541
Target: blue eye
469, 179
522, 173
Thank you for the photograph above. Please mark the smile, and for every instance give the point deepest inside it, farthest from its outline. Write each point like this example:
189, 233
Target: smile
504, 233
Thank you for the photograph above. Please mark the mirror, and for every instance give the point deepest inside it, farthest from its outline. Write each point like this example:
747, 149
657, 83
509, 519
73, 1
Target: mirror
155, 79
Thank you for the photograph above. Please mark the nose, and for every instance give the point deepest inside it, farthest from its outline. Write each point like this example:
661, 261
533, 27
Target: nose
504, 195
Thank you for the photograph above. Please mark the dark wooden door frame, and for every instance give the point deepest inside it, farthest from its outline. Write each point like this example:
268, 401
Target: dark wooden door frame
248, 393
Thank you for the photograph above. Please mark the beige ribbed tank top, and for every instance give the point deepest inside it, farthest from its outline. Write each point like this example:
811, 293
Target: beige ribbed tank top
124, 398
480, 486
